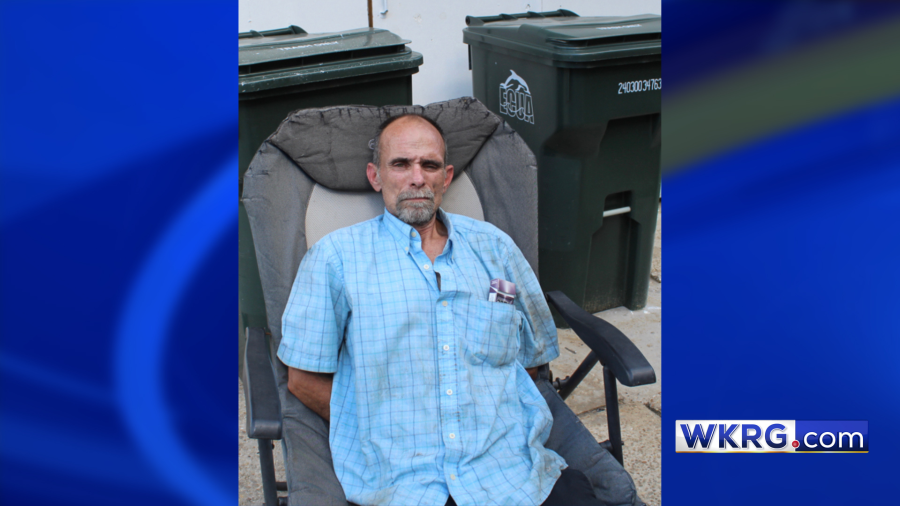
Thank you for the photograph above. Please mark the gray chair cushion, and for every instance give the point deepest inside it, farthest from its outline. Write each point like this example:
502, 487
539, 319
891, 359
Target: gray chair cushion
332, 144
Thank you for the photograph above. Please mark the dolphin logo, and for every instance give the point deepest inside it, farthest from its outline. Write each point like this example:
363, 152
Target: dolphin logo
515, 98
513, 77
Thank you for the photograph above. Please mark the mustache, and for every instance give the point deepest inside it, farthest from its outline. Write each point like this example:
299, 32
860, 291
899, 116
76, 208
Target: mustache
424, 193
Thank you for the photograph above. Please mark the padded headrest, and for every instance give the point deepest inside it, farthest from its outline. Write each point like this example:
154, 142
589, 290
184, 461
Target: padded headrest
332, 143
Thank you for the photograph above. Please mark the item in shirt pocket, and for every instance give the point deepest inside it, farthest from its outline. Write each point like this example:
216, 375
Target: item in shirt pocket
502, 291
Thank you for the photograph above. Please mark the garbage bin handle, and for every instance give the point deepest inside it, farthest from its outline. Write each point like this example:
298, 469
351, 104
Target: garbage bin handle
480, 21
293, 29
619, 210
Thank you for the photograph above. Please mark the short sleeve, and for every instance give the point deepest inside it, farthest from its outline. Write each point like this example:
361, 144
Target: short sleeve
313, 322
538, 342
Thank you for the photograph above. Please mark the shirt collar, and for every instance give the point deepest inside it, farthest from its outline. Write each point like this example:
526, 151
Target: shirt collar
403, 232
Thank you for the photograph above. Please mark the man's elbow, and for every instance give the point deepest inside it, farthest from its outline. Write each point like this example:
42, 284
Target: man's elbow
295, 383
301, 382
313, 389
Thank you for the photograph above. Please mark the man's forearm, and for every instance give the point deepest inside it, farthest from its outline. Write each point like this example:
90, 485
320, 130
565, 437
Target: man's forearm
313, 389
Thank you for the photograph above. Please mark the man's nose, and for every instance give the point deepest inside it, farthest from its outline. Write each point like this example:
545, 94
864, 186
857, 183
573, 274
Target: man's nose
418, 175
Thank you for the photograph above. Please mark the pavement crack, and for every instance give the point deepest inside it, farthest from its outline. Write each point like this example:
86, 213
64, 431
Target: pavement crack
592, 410
654, 410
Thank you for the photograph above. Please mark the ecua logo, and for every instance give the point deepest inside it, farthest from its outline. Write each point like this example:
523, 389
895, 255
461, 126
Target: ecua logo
515, 98
771, 436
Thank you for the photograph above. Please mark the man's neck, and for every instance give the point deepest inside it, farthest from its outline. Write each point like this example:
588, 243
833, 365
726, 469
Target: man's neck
434, 237
431, 230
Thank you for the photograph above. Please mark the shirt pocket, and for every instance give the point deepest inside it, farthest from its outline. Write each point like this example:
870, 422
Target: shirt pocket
493, 333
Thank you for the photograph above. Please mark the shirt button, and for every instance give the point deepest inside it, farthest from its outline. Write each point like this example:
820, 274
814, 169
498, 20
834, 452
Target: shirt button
449, 392
444, 303
452, 436
426, 267
405, 249
446, 347
412, 233
452, 476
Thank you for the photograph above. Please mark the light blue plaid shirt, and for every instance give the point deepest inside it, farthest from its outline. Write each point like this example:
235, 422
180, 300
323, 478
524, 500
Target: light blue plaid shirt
430, 391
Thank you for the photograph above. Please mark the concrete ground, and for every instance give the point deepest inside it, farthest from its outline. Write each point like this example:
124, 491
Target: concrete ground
639, 407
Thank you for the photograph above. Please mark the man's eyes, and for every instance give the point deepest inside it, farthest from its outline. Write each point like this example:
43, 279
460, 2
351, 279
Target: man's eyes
405, 165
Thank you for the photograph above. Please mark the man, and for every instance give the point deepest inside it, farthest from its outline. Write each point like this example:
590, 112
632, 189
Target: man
389, 335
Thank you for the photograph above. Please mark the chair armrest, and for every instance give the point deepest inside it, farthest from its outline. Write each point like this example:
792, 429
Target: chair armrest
260, 389
612, 347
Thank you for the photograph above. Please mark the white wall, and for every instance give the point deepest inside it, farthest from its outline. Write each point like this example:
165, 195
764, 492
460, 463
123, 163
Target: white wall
435, 28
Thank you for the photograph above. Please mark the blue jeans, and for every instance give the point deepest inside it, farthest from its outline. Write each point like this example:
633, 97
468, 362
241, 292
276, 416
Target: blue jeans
574, 442
571, 489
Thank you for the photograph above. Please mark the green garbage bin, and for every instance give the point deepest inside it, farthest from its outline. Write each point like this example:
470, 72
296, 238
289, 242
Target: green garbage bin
283, 70
584, 94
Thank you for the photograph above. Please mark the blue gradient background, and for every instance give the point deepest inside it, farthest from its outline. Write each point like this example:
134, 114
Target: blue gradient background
781, 246
118, 144
118, 263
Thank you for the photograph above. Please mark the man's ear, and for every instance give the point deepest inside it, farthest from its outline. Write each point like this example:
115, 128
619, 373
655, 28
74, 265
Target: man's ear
372, 174
448, 178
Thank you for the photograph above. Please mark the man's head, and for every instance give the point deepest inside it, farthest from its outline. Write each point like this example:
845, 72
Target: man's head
409, 167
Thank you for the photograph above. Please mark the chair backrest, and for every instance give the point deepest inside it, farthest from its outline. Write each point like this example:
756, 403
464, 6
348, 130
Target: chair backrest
309, 179
329, 210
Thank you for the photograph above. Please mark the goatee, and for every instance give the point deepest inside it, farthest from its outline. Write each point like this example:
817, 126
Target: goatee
416, 213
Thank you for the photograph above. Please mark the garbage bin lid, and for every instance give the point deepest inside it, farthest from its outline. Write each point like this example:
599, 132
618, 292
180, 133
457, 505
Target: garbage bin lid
568, 37
290, 56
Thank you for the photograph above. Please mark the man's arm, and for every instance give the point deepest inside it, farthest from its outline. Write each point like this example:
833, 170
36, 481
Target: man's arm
311, 331
313, 389
537, 339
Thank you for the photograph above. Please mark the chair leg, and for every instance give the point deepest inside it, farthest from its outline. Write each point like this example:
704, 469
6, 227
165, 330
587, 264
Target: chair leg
612, 414
267, 470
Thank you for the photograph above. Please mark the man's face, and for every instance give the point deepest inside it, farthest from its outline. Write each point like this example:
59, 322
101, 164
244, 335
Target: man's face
412, 177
